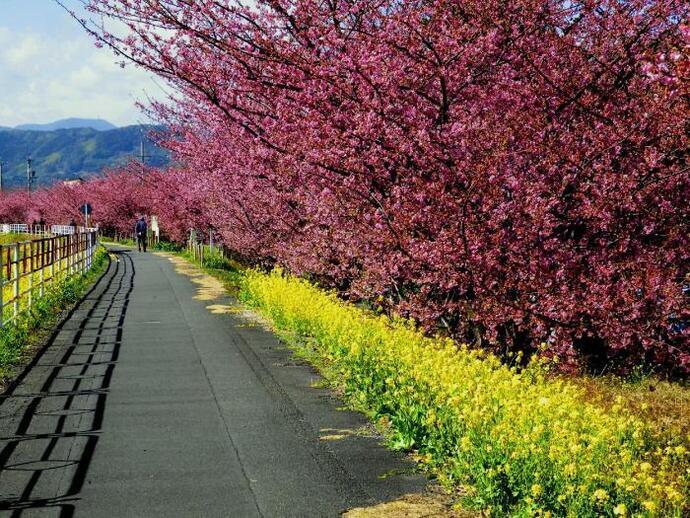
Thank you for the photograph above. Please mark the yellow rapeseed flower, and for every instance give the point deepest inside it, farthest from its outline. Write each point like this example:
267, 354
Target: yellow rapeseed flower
545, 426
600, 495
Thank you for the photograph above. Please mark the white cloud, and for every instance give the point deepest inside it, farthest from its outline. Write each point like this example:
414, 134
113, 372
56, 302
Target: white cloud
43, 79
24, 51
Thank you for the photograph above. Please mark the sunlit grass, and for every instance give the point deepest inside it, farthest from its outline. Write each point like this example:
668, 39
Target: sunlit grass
665, 404
29, 286
11, 238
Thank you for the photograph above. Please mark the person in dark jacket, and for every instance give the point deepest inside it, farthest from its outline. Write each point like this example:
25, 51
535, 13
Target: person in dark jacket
140, 229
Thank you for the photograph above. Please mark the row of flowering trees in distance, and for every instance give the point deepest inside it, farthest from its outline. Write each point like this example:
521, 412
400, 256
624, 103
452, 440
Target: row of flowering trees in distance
511, 174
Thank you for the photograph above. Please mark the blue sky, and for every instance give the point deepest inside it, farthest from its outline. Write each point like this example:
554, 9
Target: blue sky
50, 69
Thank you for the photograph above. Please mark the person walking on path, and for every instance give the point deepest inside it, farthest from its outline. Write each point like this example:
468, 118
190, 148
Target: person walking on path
140, 229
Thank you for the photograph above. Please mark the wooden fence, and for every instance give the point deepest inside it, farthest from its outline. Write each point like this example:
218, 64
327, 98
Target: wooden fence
196, 249
28, 267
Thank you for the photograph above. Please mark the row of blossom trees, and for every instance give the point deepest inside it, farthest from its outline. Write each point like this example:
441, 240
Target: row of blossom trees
118, 198
510, 173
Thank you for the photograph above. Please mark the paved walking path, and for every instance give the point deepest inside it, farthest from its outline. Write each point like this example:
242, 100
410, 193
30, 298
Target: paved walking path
146, 403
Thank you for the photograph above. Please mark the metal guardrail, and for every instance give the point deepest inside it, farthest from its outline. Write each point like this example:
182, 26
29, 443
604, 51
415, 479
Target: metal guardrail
14, 227
64, 230
28, 267
42, 230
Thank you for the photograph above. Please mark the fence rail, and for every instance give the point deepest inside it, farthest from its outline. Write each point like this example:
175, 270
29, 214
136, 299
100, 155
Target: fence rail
65, 229
15, 227
28, 267
42, 230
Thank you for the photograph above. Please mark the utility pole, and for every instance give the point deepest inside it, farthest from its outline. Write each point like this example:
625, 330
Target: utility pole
1, 164
30, 174
142, 152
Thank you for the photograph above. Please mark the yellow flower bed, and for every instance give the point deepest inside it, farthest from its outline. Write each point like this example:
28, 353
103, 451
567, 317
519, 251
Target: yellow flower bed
519, 443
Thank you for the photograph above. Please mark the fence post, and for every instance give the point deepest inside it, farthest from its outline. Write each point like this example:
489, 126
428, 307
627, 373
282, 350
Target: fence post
41, 275
70, 254
2, 289
15, 270
58, 256
64, 252
84, 253
61, 256
52, 259
81, 253
41, 278
31, 271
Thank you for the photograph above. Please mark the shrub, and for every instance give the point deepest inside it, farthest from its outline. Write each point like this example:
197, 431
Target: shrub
167, 246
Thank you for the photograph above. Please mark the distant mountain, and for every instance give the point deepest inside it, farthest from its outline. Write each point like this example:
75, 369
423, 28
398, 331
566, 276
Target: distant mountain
97, 124
71, 153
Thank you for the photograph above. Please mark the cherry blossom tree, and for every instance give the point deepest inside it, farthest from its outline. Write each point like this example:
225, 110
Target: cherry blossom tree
508, 173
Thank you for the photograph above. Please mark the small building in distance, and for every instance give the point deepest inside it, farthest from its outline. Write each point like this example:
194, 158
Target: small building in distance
73, 182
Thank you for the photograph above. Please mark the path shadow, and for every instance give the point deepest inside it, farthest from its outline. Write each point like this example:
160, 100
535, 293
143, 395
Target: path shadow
50, 422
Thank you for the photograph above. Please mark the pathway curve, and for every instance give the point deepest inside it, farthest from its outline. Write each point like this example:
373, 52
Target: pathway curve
150, 401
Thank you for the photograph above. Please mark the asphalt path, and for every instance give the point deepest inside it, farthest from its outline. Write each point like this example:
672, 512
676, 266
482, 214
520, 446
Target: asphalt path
157, 398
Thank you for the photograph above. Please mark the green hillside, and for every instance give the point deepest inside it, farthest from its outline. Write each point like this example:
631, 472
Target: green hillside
70, 153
